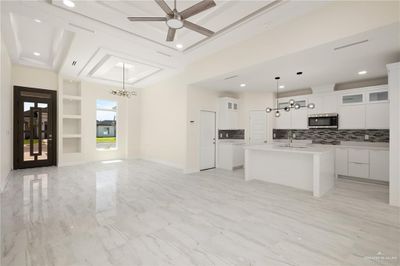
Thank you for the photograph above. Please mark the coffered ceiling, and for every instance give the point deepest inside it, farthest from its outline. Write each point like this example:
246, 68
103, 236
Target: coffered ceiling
87, 41
35, 43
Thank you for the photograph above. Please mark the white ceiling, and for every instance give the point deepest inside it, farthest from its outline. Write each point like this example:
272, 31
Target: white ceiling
96, 30
321, 65
28, 37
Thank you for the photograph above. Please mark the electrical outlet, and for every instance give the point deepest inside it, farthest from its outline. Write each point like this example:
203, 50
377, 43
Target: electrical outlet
366, 137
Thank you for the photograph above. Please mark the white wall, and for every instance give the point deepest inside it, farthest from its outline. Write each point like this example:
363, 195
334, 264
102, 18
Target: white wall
34, 77
6, 112
394, 98
163, 122
134, 124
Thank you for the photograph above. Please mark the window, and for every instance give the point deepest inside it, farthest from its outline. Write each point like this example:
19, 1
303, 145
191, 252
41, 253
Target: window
106, 125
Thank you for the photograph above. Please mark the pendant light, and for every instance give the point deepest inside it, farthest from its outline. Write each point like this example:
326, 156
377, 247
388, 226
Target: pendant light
123, 92
292, 104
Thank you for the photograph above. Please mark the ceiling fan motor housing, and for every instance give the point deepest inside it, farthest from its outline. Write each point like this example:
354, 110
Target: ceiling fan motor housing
175, 22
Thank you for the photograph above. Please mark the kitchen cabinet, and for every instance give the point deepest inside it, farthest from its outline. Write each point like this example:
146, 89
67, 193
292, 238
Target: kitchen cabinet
294, 119
341, 162
358, 156
324, 104
359, 170
377, 116
363, 163
379, 165
352, 116
230, 155
284, 121
228, 117
299, 119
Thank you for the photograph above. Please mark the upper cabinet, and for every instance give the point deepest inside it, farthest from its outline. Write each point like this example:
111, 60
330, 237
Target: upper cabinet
324, 103
364, 108
294, 119
228, 113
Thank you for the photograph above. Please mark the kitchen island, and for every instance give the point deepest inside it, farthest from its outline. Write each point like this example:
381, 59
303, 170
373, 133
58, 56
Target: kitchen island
310, 168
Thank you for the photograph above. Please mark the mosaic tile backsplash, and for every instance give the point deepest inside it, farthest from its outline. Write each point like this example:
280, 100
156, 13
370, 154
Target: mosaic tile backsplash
334, 136
231, 134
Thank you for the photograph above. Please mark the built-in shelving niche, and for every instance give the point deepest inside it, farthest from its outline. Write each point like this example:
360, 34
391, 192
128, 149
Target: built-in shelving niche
71, 125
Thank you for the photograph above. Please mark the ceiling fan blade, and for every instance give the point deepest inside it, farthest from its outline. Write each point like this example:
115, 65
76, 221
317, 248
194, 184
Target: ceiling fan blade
171, 35
197, 28
165, 7
147, 18
197, 8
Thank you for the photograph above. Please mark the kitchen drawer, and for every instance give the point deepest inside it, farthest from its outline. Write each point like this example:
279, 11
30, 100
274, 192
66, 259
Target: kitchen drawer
359, 156
359, 170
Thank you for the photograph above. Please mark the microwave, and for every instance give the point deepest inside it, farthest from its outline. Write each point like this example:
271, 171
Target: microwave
323, 121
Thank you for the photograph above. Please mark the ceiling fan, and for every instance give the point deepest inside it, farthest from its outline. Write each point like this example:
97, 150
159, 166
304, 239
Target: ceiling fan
176, 20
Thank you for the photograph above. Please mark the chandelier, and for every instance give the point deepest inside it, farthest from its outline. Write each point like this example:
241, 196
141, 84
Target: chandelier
123, 92
291, 105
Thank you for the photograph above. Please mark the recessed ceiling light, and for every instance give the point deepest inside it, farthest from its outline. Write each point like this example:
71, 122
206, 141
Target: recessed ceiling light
36, 54
243, 85
37, 20
281, 86
179, 45
362, 72
69, 3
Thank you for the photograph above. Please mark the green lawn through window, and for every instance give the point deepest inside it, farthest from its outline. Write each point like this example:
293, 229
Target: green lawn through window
106, 140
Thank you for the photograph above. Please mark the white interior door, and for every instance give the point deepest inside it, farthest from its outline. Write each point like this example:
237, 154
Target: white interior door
258, 127
207, 140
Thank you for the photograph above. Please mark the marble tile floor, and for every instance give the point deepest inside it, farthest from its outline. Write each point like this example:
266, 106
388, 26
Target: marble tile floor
141, 213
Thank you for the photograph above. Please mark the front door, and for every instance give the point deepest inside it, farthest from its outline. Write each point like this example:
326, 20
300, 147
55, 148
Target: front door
35, 114
207, 140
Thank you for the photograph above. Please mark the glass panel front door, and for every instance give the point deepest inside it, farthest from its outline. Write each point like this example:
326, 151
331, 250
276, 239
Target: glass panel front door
34, 128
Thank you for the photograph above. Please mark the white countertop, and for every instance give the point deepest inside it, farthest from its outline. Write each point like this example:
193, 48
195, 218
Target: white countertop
344, 144
311, 149
232, 141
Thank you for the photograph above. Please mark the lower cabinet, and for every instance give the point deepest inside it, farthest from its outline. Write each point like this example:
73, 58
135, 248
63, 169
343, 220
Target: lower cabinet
342, 162
230, 155
379, 165
359, 170
364, 163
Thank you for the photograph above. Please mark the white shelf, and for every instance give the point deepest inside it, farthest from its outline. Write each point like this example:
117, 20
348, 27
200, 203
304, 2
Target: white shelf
72, 98
71, 145
72, 136
70, 125
72, 116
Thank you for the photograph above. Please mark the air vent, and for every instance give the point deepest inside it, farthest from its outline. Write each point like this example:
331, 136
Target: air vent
349, 45
74, 62
164, 54
231, 77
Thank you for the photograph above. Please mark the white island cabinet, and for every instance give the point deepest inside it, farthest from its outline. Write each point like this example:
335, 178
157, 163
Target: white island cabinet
307, 168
